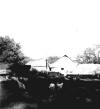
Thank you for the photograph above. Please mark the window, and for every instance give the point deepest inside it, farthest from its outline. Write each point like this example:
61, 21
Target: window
62, 68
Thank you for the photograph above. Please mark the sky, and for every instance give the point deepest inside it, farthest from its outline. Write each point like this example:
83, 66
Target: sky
51, 27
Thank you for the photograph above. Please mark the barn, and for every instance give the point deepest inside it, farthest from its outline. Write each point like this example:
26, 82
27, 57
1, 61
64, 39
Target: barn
87, 69
4, 71
39, 64
63, 65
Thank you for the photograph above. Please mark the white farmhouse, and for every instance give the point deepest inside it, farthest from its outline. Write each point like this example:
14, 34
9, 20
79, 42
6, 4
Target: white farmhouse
64, 65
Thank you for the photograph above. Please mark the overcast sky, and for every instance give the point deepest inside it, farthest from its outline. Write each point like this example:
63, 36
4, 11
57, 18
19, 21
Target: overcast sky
51, 27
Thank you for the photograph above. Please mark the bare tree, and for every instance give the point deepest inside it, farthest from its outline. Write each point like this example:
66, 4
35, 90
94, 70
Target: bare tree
88, 56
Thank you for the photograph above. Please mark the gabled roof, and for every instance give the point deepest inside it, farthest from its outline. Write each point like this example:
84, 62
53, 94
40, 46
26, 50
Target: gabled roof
63, 62
37, 63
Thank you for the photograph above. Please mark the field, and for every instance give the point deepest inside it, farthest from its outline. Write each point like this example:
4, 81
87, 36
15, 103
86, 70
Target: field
76, 91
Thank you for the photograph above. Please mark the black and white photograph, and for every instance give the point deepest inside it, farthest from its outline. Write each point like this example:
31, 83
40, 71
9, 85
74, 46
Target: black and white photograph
49, 54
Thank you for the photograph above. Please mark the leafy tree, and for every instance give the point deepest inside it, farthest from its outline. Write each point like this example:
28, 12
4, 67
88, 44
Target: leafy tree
10, 52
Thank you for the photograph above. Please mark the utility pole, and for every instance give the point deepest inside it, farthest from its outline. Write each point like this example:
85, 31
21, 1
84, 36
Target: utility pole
98, 56
46, 65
